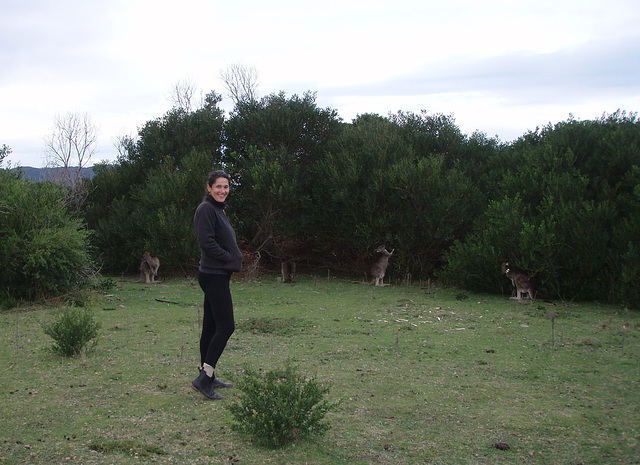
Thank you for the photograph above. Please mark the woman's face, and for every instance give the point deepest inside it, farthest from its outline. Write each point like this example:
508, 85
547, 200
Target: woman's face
219, 190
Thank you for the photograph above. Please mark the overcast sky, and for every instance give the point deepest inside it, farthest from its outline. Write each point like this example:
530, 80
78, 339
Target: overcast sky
502, 67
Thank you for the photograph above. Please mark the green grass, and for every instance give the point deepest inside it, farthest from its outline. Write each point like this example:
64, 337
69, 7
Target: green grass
422, 374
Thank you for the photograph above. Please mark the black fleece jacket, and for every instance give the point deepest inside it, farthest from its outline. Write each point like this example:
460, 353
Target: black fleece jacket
217, 239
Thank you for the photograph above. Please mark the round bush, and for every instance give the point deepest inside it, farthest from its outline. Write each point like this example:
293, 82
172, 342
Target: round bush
74, 331
280, 407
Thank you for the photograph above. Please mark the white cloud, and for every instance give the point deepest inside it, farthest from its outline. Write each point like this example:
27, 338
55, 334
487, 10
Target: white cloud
499, 66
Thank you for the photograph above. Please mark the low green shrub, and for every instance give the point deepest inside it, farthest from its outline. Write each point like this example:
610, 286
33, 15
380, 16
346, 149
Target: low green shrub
75, 330
7, 301
280, 407
44, 247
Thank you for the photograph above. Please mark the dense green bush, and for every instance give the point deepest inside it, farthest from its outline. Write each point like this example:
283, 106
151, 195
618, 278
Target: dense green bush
272, 148
156, 217
386, 183
567, 208
73, 331
43, 248
280, 407
562, 201
145, 201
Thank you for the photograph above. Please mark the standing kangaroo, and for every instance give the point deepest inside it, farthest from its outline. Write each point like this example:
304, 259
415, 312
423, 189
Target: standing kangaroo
379, 268
524, 281
148, 269
288, 269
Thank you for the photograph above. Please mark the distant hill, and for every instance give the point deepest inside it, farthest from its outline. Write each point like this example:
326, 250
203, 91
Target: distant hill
47, 174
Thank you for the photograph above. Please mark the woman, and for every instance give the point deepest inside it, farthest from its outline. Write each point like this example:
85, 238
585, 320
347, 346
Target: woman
219, 257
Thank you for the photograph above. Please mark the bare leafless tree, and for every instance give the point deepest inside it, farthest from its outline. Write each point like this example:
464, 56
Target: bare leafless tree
241, 82
182, 95
69, 149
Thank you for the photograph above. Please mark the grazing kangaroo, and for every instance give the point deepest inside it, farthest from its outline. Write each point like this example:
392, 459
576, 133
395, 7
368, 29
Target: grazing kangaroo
379, 268
288, 269
148, 269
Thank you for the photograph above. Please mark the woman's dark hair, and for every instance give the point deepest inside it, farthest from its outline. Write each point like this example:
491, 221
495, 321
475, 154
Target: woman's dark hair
215, 175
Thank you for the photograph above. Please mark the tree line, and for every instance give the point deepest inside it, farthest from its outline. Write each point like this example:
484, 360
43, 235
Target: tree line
562, 201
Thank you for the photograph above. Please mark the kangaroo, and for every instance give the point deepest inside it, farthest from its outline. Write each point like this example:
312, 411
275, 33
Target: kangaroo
379, 268
524, 281
148, 269
288, 269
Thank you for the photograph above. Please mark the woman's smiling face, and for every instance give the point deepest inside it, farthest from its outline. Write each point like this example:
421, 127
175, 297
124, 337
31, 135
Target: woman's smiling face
219, 190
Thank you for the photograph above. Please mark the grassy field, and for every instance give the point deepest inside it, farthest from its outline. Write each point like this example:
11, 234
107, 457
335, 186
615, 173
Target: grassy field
424, 375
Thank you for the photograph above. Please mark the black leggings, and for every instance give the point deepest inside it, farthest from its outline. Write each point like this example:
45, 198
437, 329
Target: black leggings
217, 322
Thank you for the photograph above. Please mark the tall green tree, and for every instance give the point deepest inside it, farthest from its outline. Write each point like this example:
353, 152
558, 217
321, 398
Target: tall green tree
567, 211
354, 187
276, 121
272, 147
378, 188
143, 202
